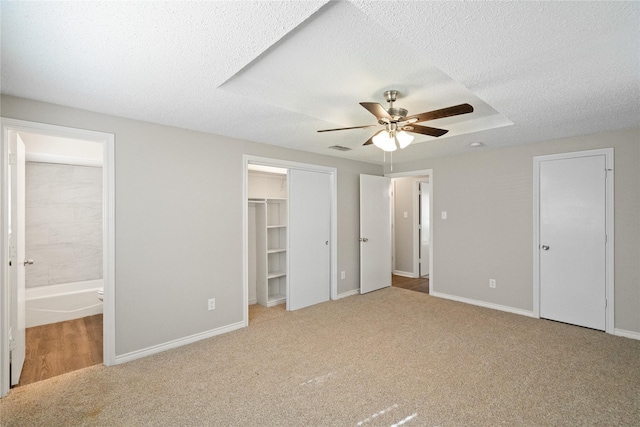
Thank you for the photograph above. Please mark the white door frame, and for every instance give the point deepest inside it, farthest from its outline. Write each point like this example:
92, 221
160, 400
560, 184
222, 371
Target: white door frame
285, 164
416, 242
609, 227
108, 176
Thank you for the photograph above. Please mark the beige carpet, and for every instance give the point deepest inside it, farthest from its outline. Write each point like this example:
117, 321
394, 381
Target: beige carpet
392, 357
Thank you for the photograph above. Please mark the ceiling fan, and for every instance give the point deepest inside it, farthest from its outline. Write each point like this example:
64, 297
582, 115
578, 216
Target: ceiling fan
397, 124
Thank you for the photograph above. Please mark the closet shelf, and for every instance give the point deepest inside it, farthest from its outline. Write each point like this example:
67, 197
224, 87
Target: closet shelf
274, 274
270, 250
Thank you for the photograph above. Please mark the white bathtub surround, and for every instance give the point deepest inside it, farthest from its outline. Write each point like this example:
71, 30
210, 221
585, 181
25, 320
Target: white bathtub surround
63, 223
57, 303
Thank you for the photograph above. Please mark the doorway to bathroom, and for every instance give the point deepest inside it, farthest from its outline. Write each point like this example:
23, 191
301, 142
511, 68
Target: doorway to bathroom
59, 284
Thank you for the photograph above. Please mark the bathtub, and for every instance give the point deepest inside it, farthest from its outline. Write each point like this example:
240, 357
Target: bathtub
57, 303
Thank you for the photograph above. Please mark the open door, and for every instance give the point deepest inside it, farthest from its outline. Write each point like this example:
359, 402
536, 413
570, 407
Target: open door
17, 256
375, 233
309, 277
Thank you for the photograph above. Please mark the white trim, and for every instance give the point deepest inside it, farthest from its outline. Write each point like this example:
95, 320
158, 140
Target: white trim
108, 171
4, 270
627, 334
159, 348
349, 293
403, 273
333, 178
429, 173
485, 304
609, 226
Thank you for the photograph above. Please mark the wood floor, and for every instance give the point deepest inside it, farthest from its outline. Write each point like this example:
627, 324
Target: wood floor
421, 284
58, 348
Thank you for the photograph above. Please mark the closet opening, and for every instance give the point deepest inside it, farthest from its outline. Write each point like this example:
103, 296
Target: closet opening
289, 236
266, 241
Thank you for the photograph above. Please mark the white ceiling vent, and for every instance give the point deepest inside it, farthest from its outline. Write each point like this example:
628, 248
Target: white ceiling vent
340, 148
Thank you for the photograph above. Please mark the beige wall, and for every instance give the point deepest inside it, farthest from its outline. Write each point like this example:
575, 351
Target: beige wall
178, 221
488, 196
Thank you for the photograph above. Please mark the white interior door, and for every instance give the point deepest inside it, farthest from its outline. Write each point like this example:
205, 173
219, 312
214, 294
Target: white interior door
375, 233
572, 253
309, 252
17, 256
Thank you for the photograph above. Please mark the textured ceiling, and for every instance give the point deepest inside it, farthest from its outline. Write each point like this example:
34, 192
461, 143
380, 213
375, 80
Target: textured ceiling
276, 72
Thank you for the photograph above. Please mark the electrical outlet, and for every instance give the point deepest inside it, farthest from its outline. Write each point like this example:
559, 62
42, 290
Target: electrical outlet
211, 304
492, 283
443, 214
343, 274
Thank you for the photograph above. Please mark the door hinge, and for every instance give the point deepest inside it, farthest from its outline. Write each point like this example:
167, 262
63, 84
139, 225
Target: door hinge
12, 344
12, 159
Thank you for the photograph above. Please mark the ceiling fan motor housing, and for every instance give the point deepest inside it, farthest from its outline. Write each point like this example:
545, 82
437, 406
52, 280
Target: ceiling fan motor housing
397, 113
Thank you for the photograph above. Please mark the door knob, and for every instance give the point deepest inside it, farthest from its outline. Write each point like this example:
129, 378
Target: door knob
28, 261
545, 247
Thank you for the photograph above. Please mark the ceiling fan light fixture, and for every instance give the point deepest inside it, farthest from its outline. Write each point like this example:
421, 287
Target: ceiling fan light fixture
404, 139
384, 141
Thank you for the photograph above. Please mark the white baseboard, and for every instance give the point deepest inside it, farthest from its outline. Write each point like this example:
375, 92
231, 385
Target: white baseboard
253, 301
349, 293
139, 354
403, 273
627, 334
485, 304
618, 332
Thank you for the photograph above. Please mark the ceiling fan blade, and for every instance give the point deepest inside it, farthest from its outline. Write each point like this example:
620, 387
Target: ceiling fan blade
370, 140
424, 130
439, 114
354, 127
376, 109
